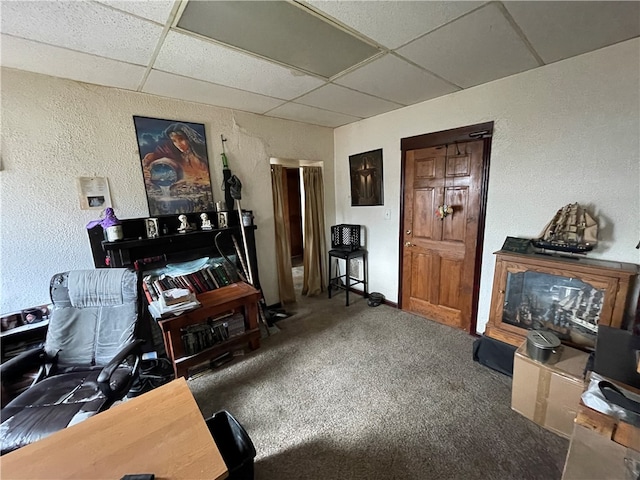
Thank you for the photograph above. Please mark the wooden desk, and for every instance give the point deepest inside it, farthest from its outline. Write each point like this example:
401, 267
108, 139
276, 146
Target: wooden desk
160, 432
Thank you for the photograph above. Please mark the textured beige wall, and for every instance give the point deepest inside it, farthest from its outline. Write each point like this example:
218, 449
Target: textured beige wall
567, 132
55, 130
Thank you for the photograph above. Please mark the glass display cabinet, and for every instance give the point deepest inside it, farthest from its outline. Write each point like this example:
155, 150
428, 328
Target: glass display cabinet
567, 295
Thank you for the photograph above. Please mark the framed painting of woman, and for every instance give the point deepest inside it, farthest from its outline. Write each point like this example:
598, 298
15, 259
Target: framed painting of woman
175, 166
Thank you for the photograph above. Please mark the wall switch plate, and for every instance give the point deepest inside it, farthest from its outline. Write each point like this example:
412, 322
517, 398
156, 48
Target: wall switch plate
387, 214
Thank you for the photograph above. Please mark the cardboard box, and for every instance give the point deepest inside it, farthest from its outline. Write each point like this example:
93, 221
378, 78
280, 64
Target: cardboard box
549, 393
620, 432
592, 455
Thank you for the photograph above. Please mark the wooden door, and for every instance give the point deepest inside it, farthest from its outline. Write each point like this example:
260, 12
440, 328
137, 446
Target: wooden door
439, 254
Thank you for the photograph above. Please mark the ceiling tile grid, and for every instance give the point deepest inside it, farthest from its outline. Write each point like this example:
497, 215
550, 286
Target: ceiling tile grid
349, 102
185, 88
394, 23
60, 62
559, 30
192, 57
478, 48
281, 31
368, 57
156, 10
82, 26
317, 116
397, 80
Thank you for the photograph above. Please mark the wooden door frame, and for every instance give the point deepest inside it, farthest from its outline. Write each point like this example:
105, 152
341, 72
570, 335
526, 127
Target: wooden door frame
480, 131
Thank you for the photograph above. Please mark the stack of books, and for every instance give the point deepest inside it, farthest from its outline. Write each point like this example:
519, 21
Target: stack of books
201, 336
173, 301
235, 324
209, 277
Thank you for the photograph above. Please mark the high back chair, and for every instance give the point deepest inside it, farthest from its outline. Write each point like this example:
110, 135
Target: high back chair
88, 361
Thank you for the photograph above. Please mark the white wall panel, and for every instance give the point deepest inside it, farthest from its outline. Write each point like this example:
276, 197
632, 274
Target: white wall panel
566, 132
55, 130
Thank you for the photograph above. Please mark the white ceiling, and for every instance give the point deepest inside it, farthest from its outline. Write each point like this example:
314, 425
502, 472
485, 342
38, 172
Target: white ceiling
414, 51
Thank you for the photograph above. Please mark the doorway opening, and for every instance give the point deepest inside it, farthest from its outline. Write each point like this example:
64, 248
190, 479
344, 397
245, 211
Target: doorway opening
294, 199
294, 222
298, 202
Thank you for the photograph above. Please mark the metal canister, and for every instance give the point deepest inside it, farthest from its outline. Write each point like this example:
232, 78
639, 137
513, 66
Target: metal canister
247, 218
113, 233
541, 344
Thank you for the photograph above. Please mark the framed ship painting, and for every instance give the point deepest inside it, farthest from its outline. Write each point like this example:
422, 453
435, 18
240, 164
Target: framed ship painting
366, 178
175, 166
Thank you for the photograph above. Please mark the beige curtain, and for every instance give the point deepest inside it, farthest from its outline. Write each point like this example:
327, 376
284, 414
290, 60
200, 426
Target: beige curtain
283, 245
315, 249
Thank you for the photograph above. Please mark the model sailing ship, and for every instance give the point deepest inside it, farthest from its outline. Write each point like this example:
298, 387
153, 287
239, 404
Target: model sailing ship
571, 312
572, 230
577, 315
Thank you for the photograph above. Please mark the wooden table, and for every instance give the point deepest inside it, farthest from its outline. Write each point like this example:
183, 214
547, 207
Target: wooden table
160, 432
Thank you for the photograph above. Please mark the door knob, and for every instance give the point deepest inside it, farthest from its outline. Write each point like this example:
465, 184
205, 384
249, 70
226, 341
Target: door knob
408, 232
408, 244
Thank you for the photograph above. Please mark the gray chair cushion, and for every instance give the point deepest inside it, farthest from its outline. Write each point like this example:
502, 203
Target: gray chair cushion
93, 319
91, 335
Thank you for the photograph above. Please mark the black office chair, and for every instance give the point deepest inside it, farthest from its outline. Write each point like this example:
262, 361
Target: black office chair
89, 359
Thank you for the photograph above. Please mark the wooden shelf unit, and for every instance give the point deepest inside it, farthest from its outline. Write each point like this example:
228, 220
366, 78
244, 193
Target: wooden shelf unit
138, 251
611, 278
214, 303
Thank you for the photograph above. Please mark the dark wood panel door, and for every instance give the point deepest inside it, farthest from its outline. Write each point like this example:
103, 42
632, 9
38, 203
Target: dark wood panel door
439, 254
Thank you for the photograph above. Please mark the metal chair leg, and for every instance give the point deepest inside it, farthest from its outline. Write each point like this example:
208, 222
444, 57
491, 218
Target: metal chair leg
330, 278
348, 279
366, 281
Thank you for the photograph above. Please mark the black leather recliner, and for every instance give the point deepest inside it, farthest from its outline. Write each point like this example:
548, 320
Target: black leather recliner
89, 360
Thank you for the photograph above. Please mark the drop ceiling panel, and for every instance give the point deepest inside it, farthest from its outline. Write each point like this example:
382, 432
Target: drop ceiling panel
82, 26
59, 62
393, 24
314, 116
280, 31
397, 80
559, 30
174, 86
157, 10
203, 60
475, 49
342, 100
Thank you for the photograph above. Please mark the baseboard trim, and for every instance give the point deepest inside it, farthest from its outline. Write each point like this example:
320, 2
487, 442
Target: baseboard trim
275, 306
391, 304
385, 301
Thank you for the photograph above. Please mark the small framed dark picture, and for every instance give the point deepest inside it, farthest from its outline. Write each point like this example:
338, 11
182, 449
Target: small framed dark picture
152, 227
366, 178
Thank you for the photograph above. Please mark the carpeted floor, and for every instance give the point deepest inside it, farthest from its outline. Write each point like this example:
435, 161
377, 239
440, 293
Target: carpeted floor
375, 393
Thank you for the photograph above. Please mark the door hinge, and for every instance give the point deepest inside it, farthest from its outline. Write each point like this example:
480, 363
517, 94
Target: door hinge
480, 134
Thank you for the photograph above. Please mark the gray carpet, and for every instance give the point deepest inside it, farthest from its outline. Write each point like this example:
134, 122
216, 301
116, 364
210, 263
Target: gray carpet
375, 393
